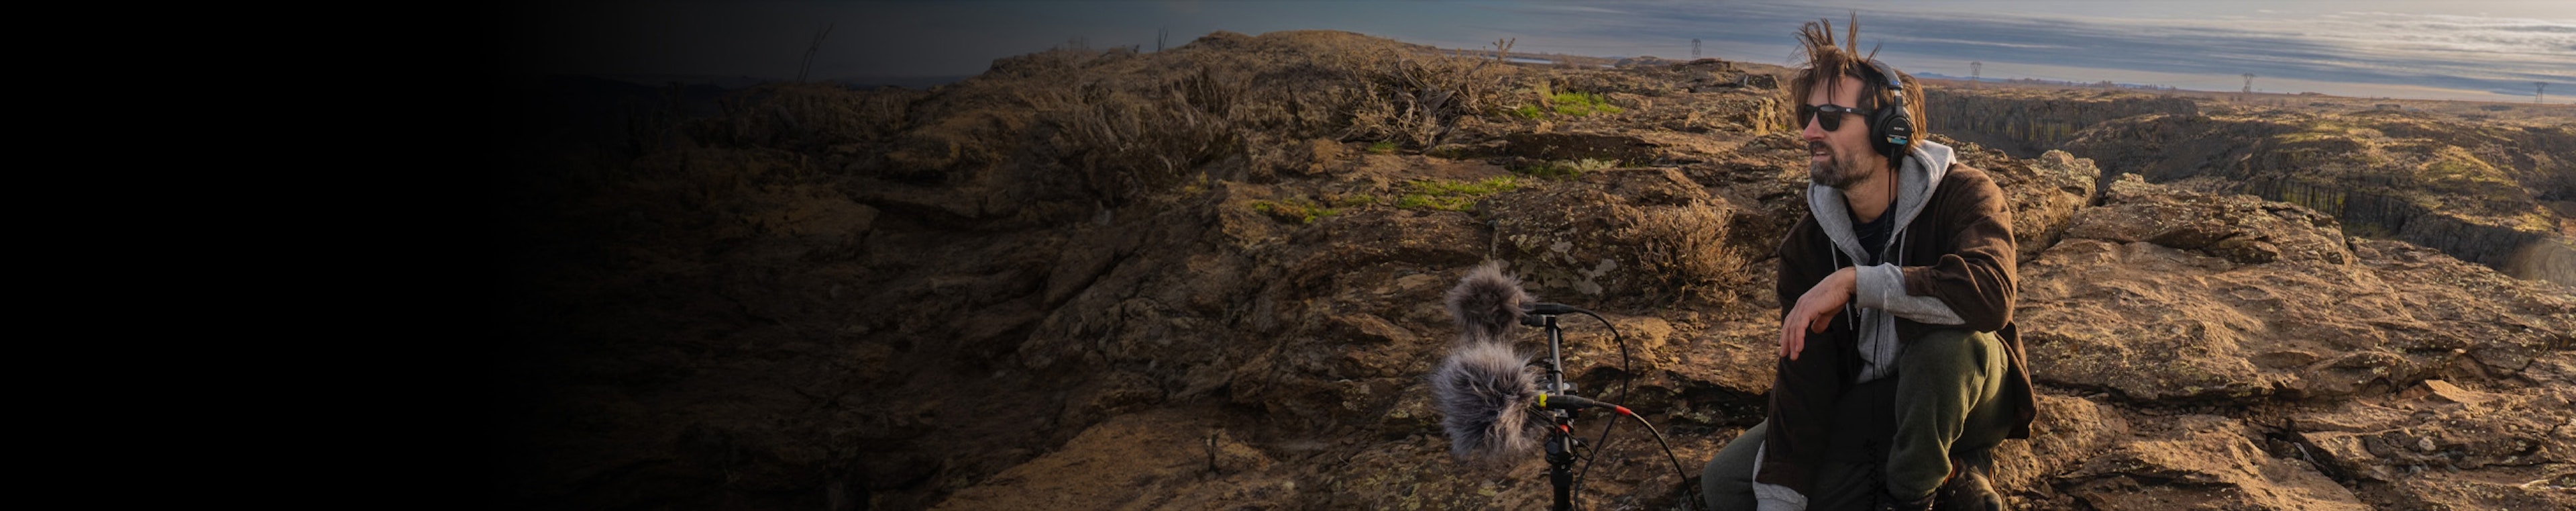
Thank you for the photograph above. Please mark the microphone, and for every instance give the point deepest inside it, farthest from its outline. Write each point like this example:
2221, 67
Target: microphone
1485, 391
1487, 303
1551, 309
1572, 402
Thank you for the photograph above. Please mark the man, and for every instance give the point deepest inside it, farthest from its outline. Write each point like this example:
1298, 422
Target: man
1900, 367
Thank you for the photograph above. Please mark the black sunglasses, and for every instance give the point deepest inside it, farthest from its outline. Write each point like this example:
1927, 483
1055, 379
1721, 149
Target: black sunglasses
1828, 122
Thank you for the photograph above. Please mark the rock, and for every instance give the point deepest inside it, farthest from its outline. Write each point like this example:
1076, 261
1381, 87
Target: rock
1188, 464
2067, 432
2044, 193
2240, 228
2202, 461
2133, 302
2445, 391
1314, 157
2474, 190
2442, 445
1110, 394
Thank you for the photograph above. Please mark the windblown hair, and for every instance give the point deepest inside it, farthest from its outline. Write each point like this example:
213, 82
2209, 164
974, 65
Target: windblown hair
1828, 58
1487, 303
1484, 391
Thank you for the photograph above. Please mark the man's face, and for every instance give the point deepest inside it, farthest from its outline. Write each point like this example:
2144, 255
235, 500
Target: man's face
1842, 157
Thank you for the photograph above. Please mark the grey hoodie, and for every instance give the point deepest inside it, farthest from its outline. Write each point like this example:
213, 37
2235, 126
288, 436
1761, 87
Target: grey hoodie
1879, 296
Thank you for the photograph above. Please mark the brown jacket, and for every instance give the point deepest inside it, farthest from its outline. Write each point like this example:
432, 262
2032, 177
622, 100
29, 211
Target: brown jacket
1957, 249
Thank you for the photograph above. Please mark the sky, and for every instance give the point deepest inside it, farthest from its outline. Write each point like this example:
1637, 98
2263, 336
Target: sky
2462, 49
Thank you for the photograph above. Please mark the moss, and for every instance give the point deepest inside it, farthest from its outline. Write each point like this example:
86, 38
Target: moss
1571, 104
1578, 104
1296, 210
1447, 195
1194, 188
1382, 147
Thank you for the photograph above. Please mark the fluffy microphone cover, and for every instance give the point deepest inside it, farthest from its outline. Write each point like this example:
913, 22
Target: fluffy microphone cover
1484, 391
1487, 303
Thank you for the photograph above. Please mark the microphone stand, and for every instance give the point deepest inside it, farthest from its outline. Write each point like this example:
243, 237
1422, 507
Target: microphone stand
1560, 436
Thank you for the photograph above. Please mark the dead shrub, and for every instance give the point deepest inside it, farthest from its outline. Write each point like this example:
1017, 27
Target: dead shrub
1125, 144
1416, 97
813, 118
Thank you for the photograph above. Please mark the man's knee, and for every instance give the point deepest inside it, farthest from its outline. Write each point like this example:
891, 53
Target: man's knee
1727, 480
1950, 348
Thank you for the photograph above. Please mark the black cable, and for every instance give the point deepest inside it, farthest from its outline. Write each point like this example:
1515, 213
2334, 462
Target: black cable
1627, 381
1696, 499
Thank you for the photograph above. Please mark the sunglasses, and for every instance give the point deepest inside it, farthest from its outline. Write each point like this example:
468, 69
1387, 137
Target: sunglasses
1828, 122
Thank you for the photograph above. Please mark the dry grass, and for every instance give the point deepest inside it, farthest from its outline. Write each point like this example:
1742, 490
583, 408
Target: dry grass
1126, 143
1416, 98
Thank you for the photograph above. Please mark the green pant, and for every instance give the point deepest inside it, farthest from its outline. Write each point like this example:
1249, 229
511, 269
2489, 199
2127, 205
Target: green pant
1942, 404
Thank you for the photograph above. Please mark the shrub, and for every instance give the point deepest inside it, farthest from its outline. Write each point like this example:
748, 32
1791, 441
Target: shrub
1125, 144
1418, 97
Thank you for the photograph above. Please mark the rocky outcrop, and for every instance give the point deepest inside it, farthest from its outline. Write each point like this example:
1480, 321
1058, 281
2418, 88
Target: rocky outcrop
2261, 300
2200, 461
2025, 125
2147, 302
2475, 192
2045, 192
2240, 228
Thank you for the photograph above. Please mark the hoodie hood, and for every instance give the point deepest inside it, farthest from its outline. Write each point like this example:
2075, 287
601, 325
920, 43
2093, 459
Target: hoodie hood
1914, 183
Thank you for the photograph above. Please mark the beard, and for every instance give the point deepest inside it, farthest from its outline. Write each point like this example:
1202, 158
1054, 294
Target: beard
1839, 171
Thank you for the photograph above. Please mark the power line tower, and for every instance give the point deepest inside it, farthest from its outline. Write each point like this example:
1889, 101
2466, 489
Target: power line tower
809, 52
2249, 84
2535, 91
1976, 73
1694, 48
1160, 35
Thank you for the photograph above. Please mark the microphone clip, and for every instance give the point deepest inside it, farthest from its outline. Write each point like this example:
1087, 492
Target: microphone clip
1543, 314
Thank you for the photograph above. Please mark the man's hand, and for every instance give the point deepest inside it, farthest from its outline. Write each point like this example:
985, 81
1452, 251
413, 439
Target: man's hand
1815, 310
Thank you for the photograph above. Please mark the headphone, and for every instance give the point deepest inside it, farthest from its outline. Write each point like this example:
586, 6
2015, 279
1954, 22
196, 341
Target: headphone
1891, 128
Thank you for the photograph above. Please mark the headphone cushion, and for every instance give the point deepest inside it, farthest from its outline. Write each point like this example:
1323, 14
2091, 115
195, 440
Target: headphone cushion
1890, 127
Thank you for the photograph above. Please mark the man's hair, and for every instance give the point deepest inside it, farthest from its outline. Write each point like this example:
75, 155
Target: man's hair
1826, 59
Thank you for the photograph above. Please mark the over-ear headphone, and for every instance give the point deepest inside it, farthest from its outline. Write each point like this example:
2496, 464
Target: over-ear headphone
1891, 128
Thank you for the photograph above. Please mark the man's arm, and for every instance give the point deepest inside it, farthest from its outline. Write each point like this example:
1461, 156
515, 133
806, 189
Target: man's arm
1973, 277
1882, 287
1808, 297
1794, 279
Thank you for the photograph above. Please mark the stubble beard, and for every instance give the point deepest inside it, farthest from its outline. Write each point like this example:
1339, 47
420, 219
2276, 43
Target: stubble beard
1838, 171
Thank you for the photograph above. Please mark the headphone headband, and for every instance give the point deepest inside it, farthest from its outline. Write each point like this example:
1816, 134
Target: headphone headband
1891, 127
1889, 74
